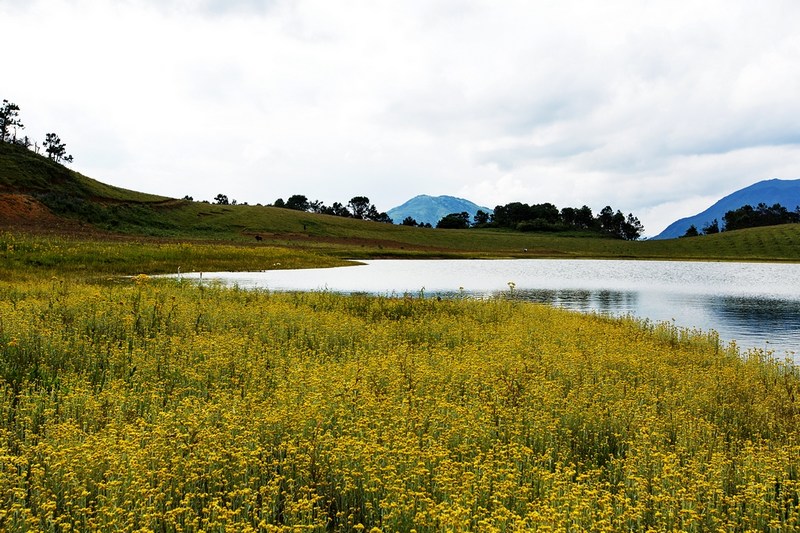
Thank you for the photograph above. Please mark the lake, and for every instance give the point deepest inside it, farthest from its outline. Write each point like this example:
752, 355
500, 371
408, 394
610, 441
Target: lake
755, 304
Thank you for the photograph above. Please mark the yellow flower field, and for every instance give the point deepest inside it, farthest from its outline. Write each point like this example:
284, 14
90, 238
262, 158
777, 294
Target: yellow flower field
166, 406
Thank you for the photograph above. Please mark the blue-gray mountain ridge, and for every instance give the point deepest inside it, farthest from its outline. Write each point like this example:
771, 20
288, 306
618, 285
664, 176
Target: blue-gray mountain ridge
770, 192
431, 209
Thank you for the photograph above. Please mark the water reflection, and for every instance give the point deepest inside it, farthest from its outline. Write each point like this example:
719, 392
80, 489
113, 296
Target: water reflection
764, 323
755, 304
602, 301
759, 322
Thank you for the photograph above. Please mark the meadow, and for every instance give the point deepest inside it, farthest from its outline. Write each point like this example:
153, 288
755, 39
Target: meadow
25, 256
143, 404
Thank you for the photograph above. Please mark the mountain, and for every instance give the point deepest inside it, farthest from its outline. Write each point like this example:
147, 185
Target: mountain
770, 192
431, 209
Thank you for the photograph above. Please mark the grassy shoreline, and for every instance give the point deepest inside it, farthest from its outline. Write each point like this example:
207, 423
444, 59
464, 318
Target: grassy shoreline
30, 254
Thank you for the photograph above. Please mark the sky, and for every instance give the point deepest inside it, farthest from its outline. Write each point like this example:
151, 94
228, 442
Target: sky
657, 108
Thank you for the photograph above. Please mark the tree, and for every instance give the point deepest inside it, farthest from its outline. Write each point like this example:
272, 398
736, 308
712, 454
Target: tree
55, 149
382, 217
298, 202
568, 215
317, 206
711, 228
409, 221
691, 232
510, 215
605, 218
481, 218
618, 225
359, 206
9, 120
546, 211
372, 213
279, 203
221, 199
762, 215
584, 217
454, 221
632, 229
337, 210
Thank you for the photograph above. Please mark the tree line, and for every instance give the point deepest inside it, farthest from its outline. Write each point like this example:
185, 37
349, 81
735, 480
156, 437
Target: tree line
748, 216
358, 207
10, 123
547, 217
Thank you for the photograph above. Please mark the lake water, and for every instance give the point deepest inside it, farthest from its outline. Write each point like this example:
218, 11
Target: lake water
755, 304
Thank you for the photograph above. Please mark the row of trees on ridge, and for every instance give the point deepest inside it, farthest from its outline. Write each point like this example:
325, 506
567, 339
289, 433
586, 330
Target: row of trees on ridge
547, 217
358, 207
10, 123
748, 216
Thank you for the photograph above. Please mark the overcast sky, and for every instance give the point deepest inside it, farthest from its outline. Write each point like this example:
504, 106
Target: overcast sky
658, 108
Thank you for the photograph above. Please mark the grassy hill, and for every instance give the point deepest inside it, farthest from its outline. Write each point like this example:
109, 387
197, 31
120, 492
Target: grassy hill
38, 195
23, 171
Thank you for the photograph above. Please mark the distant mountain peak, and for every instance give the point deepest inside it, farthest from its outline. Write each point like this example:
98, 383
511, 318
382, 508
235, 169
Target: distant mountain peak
770, 191
430, 209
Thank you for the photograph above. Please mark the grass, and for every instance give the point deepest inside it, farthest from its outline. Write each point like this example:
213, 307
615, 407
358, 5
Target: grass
21, 170
139, 404
156, 405
25, 256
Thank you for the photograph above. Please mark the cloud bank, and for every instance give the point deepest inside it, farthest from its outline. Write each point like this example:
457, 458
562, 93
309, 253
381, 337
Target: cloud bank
655, 108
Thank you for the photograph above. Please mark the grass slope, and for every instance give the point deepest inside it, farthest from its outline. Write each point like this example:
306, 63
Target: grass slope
23, 171
103, 210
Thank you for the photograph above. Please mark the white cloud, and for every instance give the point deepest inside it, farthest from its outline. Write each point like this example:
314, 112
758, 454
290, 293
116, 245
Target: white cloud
645, 106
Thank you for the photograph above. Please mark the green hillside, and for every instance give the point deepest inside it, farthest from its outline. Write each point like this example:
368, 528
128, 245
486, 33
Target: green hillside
23, 171
103, 211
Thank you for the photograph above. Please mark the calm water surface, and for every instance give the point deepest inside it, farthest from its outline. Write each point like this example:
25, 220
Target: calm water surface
755, 304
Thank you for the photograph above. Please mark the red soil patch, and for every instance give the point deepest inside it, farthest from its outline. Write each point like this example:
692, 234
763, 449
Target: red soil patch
20, 211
